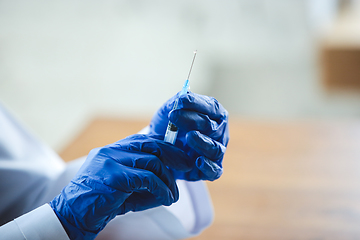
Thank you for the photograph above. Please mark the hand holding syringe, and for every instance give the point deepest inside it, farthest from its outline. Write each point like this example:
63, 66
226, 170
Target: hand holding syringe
172, 130
203, 133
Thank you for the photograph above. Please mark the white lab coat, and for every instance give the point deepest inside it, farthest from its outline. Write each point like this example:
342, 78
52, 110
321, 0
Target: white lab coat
31, 175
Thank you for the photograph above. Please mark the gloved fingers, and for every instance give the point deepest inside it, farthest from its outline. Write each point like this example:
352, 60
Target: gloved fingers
170, 155
205, 146
159, 189
210, 169
138, 179
153, 164
187, 120
139, 201
202, 104
123, 162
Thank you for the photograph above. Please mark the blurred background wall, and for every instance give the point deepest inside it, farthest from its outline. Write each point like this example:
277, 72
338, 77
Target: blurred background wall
64, 62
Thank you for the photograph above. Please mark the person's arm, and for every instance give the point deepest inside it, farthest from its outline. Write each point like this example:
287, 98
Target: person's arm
27, 168
212, 150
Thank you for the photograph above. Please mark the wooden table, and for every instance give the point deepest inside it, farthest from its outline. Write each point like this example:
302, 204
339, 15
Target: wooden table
288, 180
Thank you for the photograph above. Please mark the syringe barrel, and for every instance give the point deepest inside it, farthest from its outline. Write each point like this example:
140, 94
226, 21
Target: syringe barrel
172, 130
170, 136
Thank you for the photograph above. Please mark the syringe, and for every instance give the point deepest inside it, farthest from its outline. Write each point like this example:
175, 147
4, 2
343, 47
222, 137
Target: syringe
172, 130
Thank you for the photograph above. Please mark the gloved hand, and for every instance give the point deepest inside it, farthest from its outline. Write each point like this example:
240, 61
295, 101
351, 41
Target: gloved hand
128, 175
203, 133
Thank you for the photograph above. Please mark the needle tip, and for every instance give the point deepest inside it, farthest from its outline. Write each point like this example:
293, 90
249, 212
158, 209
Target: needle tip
192, 64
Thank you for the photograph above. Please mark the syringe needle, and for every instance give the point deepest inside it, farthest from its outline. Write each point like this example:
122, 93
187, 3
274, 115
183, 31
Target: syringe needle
192, 64
172, 130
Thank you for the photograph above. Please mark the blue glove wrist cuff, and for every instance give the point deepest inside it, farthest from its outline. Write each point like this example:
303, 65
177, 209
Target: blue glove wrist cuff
72, 231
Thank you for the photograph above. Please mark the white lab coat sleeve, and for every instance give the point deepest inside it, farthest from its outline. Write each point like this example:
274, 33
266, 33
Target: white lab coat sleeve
39, 224
28, 169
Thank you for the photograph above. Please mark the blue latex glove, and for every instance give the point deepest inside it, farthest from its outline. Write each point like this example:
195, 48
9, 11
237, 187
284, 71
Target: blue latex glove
203, 133
128, 175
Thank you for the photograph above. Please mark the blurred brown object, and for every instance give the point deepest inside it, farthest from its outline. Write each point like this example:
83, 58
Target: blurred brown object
282, 180
341, 67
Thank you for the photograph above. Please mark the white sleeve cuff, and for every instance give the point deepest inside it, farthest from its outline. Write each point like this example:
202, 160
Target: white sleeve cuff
39, 224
